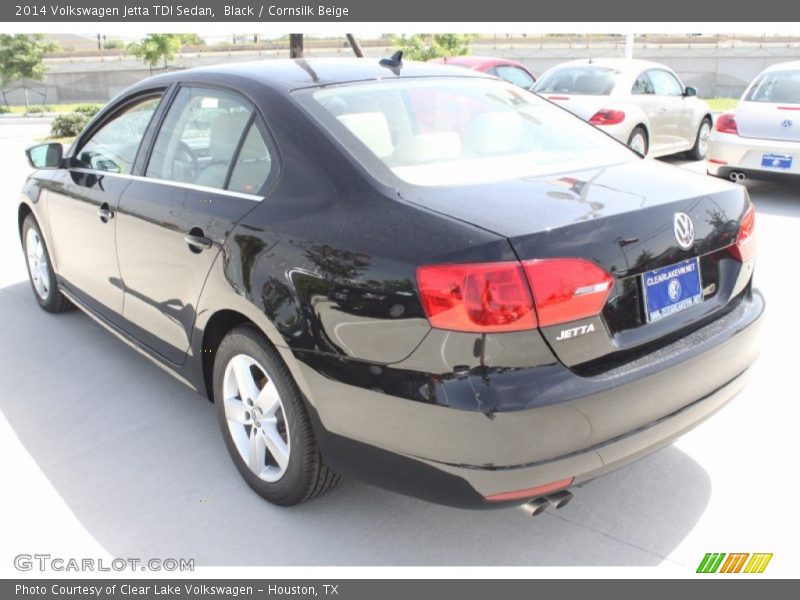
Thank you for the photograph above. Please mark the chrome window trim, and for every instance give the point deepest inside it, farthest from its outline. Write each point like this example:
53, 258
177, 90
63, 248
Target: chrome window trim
179, 184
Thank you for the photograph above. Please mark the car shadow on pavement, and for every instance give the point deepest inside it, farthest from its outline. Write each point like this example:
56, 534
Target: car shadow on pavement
138, 459
780, 198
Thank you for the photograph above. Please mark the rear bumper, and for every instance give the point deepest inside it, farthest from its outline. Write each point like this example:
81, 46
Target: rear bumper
595, 424
729, 152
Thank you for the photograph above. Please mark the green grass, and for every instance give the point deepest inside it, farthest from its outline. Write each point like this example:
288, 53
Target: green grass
722, 104
19, 109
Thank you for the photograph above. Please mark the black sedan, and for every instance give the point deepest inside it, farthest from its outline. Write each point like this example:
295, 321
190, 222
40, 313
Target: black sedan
415, 275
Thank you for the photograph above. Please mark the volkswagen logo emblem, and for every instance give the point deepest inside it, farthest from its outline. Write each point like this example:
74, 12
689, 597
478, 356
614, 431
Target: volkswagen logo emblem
786, 123
684, 230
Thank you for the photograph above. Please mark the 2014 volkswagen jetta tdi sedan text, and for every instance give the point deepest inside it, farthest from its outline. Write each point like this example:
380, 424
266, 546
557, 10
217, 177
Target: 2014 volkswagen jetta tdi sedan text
414, 275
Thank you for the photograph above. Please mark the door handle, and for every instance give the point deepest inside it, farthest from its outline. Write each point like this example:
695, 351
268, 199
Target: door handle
105, 213
197, 242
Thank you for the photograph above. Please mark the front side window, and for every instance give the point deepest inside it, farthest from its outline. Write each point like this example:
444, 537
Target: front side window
588, 80
113, 147
513, 75
200, 139
451, 131
643, 85
776, 86
664, 83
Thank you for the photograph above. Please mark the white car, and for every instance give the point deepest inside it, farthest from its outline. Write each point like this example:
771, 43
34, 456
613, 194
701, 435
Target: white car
642, 104
762, 136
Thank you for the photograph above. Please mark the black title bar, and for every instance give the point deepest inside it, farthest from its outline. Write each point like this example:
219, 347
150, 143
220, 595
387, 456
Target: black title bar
401, 11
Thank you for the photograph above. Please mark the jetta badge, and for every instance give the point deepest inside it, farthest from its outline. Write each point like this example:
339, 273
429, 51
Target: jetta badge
684, 230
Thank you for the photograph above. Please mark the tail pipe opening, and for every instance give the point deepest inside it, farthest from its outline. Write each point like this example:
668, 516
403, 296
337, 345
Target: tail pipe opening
538, 505
737, 176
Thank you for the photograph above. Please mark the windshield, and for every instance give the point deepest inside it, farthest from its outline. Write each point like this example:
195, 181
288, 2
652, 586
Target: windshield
776, 86
438, 131
587, 80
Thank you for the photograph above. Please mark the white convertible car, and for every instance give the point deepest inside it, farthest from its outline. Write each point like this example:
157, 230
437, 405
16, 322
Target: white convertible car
643, 104
762, 136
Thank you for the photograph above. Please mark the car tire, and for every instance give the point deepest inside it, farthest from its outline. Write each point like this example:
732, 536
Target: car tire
638, 140
700, 149
264, 421
40, 269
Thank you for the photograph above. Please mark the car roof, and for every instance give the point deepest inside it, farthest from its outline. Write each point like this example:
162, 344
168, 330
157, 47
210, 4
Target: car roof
475, 62
624, 65
793, 64
290, 74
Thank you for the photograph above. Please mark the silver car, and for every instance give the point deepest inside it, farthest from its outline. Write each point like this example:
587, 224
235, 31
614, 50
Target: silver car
762, 136
643, 104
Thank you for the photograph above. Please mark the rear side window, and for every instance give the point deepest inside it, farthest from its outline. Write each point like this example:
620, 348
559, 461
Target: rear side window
776, 86
207, 138
592, 81
113, 147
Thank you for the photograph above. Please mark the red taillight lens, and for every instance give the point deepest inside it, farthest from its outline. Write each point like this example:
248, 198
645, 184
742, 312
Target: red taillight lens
726, 123
745, 246
481, 298
607, 117
566, 289
531, 492
496, 297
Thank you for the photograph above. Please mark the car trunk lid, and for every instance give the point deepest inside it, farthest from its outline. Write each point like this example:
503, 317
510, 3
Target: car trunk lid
621, 217
769, 121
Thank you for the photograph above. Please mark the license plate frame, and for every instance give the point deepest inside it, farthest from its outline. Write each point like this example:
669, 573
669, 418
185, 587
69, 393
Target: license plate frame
662, 298
781, 162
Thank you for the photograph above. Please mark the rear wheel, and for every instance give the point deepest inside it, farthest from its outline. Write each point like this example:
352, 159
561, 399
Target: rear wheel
264, 421
700, 149
40, 269
638, 140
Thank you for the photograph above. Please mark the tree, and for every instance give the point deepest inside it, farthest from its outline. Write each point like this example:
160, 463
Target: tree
22, 57
425, 46
157, 47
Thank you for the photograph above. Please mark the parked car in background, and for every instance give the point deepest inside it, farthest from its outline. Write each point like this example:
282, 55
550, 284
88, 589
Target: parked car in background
761, 137
504, 68
423, 278
643, 104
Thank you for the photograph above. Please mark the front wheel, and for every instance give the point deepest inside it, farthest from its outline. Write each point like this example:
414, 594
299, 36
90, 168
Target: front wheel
40, 269
638, 140
700, 149
264, 421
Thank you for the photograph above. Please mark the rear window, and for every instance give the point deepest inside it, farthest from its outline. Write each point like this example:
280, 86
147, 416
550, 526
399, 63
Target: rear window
776, 86
438, 131
586, 80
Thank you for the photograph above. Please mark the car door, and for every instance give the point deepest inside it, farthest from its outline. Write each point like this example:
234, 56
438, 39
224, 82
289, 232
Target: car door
674, 113
208, 166
83, 200
643, 95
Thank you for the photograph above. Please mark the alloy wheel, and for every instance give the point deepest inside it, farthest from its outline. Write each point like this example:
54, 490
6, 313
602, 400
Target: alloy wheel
256, 418
37, 263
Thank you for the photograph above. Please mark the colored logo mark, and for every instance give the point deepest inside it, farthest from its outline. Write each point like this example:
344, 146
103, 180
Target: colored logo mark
740, 562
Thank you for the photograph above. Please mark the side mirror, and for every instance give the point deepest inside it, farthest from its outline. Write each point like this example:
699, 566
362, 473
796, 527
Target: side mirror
690, 91
45, 156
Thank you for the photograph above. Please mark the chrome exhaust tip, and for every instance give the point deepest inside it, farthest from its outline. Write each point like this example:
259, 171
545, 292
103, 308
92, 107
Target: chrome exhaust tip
559, 499
737, 176
536, 506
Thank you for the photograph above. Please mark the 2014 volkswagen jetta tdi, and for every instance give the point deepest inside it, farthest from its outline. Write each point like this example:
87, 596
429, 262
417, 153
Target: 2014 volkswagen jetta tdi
414, 275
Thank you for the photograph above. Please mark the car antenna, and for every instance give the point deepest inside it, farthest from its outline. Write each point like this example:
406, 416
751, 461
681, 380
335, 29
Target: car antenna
394, 62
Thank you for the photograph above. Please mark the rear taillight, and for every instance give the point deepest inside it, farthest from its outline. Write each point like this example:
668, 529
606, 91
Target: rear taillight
483, 298
496, 297
607, 116
566, 289
726, 123
745, 246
